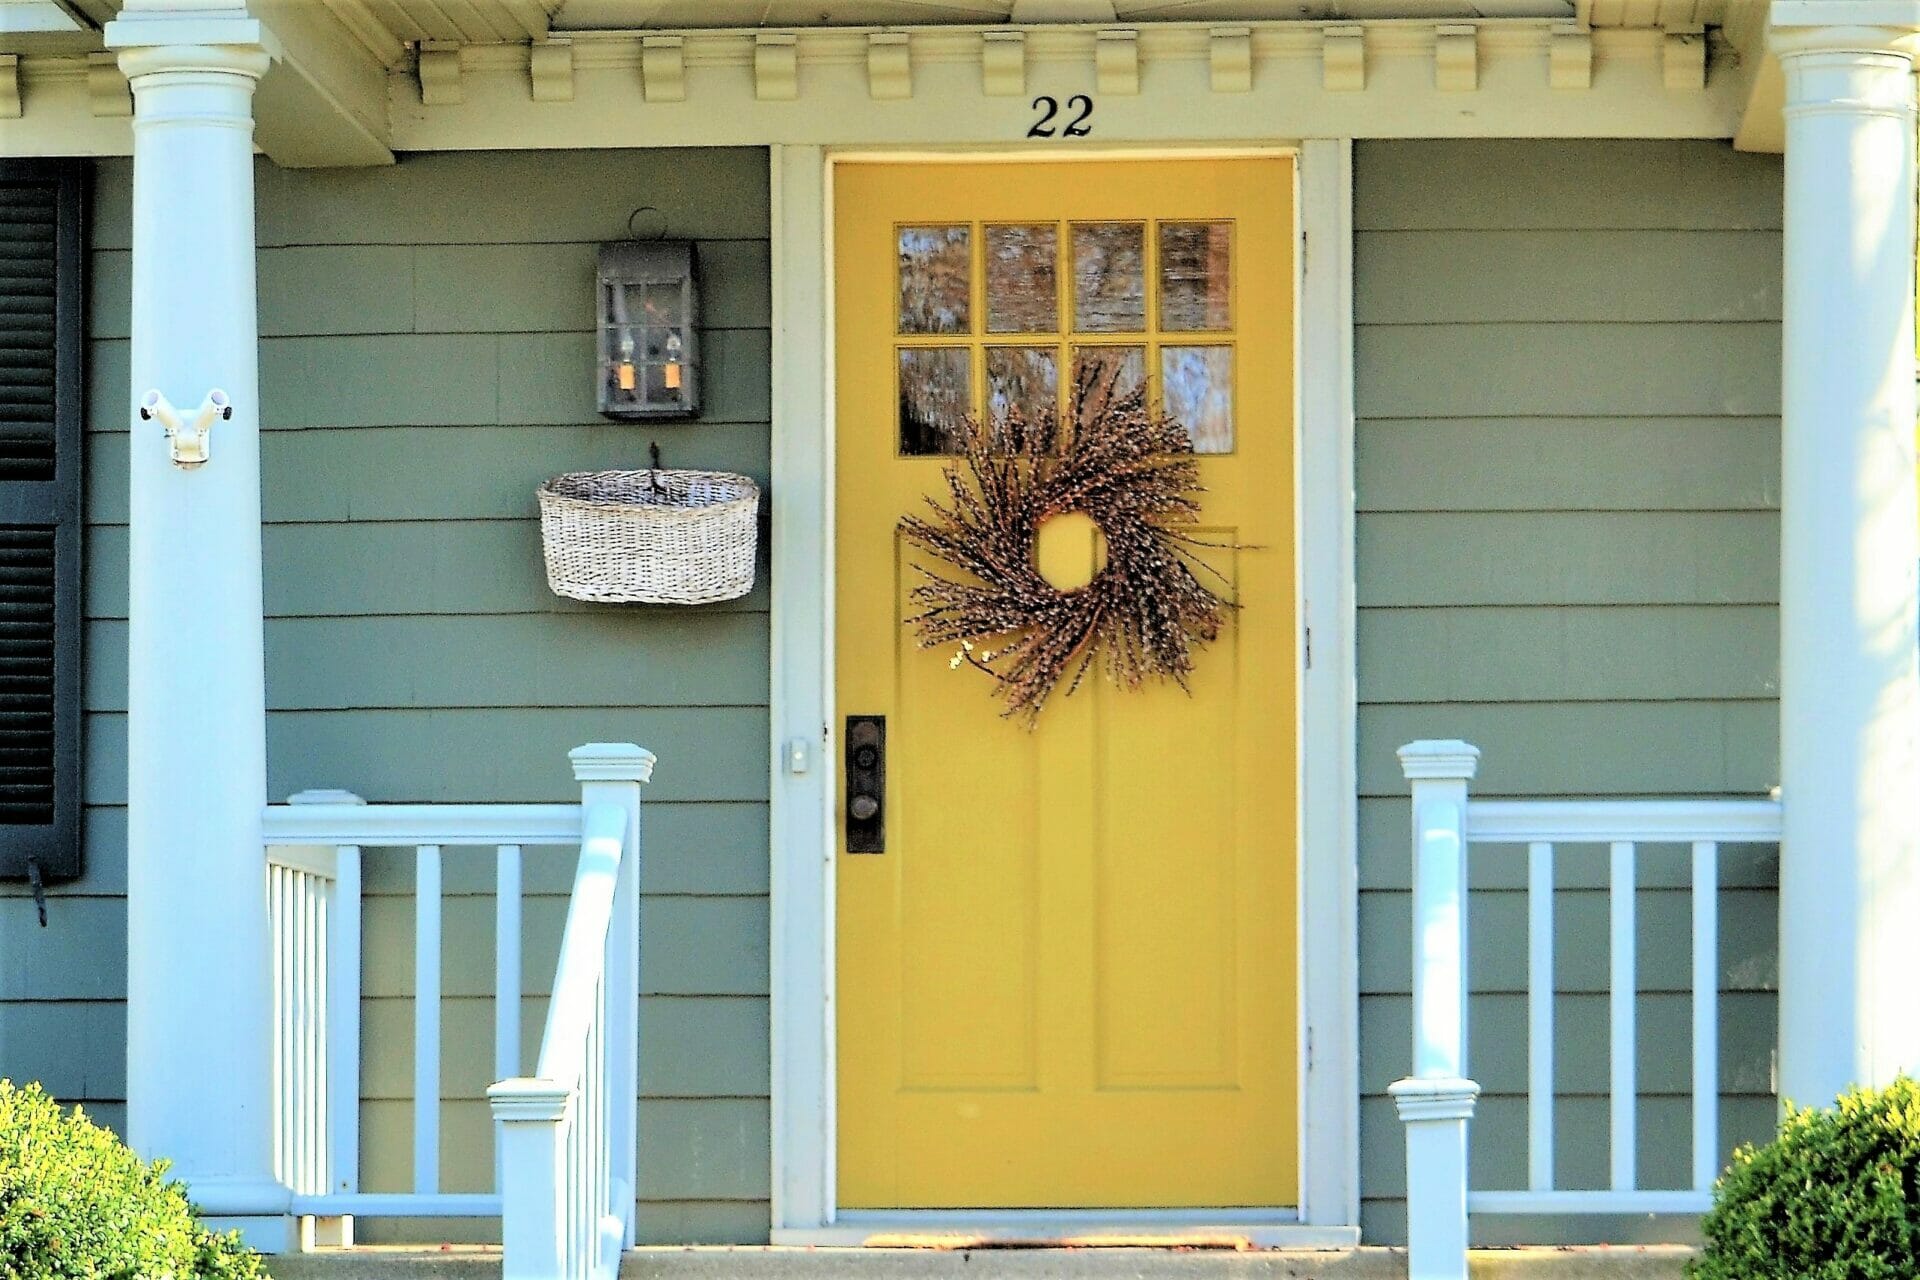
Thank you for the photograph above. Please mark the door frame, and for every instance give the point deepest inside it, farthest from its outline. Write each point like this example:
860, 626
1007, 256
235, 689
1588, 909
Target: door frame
802, 816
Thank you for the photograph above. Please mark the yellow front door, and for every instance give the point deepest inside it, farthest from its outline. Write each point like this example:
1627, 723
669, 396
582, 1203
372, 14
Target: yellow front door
1069, 979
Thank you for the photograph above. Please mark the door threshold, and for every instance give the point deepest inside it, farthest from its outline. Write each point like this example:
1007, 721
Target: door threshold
1227, 1229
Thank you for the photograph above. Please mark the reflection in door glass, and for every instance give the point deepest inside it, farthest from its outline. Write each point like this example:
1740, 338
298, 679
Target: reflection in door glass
1027, 378
1195, 268
1110, 277
936, 279
1196, 385
1023, 292
1102, 373
936, 395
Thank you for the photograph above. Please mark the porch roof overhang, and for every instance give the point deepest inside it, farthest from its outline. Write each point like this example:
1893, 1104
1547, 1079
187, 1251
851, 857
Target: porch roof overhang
359, 80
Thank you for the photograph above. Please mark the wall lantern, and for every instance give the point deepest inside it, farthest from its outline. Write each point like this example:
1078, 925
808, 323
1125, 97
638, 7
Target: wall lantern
649, 303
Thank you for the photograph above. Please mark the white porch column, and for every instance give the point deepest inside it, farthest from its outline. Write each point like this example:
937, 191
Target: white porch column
199, 1003
1850, 696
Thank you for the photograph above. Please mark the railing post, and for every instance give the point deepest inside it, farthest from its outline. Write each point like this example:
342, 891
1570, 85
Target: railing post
612, 773
530, 1116
1436, 1101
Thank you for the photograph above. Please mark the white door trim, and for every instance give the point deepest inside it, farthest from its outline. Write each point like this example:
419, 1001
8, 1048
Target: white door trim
802, 697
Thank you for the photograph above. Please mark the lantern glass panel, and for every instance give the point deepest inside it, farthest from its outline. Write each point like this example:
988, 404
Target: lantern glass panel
648, 330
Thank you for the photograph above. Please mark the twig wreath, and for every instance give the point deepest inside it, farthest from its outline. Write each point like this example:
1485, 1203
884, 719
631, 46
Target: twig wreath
1129, 469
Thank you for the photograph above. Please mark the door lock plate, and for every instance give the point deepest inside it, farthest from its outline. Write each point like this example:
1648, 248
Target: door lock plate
866, 802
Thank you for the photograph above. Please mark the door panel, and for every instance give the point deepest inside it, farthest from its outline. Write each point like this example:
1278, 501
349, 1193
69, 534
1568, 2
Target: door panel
1070, 980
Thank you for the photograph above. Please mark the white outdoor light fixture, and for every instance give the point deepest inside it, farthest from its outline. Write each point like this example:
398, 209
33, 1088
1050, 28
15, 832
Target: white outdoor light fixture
649, 305
189, 441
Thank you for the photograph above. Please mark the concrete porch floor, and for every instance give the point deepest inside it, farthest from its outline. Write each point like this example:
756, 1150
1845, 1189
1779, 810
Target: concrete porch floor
798, 1263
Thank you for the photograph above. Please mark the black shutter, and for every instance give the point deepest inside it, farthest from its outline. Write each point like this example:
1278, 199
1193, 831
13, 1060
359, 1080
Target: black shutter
41, 208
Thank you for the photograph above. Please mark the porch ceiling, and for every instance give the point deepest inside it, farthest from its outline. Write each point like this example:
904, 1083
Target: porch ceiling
385, 27
682, 14
511, 21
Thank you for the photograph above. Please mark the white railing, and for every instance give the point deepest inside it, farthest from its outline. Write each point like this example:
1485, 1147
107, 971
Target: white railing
314, 853
1437, 1100
568, 1131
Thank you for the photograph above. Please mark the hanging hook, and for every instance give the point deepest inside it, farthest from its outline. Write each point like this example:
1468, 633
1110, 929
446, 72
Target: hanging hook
39, 884
653, 473
660, 234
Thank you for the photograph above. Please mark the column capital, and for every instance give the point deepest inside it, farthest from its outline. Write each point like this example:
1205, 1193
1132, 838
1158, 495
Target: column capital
1885, 27
190, 35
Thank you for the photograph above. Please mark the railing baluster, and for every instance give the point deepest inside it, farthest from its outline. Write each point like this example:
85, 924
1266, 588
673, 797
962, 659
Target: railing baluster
506, 977
1624, 984
318, 1174
343, 1025
506, 963
1706, 1014
283, 1103
302, 1019
426, 1020
1540, 999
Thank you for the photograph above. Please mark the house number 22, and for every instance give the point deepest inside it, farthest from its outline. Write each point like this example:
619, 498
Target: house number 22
1049, 108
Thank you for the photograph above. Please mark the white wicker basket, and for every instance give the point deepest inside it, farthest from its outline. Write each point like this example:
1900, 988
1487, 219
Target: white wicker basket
658, 537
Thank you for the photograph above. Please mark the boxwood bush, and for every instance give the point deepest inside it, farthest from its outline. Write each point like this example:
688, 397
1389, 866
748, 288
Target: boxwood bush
1835, 1197
75, 1204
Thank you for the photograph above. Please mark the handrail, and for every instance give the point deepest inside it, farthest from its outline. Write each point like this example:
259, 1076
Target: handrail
583, 948
1604, 821
397, 825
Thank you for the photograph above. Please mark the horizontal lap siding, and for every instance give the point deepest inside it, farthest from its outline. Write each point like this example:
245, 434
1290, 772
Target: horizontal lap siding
426, 361
1568, 488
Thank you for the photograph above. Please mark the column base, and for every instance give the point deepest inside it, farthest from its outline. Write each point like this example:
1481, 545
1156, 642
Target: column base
261, 1233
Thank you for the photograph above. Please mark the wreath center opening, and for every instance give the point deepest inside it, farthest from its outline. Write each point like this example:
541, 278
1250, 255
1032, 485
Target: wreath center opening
1069, 550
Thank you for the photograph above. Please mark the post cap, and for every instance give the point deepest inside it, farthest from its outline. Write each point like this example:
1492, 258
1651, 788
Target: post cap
325, 795
611, 762
1439, 758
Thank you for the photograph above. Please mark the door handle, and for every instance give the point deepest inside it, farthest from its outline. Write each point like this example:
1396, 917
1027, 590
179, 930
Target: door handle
866, 799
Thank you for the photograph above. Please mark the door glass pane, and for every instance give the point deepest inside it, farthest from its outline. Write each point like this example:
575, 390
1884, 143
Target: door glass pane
1102, 373
1023, 293
936, 277
1195, 268
1110, 277
1196, 384
1026, 378
936, 395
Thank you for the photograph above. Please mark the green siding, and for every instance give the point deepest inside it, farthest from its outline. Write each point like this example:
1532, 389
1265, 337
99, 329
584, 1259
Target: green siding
425, 362
1568, 481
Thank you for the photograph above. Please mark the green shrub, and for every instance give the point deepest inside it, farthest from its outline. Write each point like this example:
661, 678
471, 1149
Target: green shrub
1835, 1197
75, 1204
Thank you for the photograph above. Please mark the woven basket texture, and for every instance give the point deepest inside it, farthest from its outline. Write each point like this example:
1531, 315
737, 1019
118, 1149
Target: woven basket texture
652, 537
